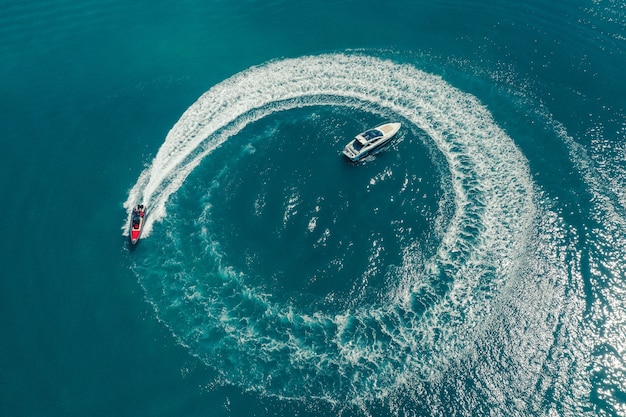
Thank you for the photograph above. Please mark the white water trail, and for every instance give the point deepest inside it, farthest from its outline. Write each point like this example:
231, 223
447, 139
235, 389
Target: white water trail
494, 205
447, 115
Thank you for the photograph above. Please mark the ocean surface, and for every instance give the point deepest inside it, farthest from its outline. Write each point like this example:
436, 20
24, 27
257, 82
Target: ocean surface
473, 267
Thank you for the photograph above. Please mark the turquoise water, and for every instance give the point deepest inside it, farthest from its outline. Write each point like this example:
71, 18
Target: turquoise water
473, 267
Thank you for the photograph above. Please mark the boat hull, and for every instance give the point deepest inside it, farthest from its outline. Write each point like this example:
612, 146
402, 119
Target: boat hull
134, 237
137, 220
359, 147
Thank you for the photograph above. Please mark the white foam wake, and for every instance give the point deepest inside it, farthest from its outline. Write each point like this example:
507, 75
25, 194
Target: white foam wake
450, 117
493, 200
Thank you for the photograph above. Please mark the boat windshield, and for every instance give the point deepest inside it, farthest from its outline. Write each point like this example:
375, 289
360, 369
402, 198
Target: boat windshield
356, 145
372, 134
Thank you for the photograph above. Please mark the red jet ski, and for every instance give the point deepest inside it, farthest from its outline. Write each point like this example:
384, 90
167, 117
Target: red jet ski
136, 223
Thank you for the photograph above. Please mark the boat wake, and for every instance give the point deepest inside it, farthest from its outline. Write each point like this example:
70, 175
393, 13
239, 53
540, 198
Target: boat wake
493, 274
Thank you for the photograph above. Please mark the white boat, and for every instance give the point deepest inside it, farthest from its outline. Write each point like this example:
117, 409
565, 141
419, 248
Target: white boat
368, 142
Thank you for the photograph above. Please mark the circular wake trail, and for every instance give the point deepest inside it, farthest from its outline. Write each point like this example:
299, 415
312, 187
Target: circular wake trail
373, 349
449, 116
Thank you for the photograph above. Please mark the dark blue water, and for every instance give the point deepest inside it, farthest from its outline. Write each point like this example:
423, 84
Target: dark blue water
473, 267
